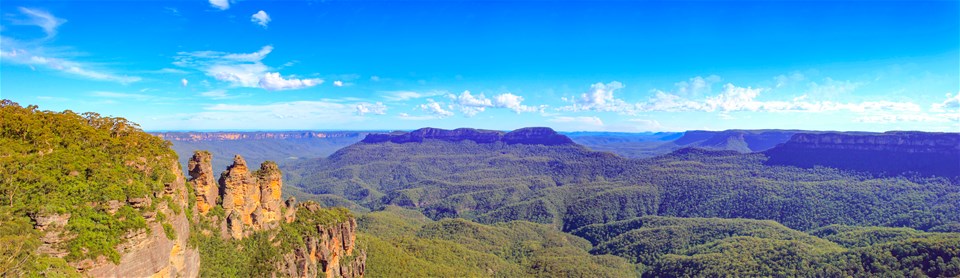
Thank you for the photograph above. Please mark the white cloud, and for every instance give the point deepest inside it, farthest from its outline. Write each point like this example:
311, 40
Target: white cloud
830, 88
514, 102
734, 98
696, 86
375, 78
330, 113
338, 83
951, 104
600, 97
129, 96
241, 69
183, 82
371, 108
273, 82
79, 69
217, 94
260, 18
591, 120
406, 95
435, 108
471, 104
220, 4
42, 19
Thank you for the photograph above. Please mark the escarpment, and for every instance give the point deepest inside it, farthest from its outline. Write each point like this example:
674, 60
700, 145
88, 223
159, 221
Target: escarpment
163, 251
895, 152
248, 211
527, 136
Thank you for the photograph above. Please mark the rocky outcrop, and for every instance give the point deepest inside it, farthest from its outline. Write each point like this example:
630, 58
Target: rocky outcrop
201, 178
890, 153
527, 136
331, 252
270, 182
153, 254
251, 202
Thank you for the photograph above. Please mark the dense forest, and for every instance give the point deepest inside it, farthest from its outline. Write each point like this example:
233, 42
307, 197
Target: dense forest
691, 212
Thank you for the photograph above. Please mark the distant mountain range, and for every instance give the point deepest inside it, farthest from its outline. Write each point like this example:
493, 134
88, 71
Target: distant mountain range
289, 146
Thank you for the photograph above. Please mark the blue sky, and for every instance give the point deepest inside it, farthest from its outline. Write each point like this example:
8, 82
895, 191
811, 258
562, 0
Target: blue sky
602, 66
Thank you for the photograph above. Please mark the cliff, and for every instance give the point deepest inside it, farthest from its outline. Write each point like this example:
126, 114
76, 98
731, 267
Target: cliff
894, 152
736, 139
259, 135
527, 136
155, 253
314, 241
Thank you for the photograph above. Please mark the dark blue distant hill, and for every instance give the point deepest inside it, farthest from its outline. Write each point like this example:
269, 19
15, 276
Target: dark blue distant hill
890, 153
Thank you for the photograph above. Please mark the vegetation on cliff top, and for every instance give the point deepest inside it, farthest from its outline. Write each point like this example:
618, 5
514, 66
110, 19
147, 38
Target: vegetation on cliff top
87, 167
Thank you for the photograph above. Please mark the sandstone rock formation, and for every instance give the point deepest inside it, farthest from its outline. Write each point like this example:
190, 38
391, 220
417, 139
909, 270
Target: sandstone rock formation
251, 201
330, 253
201, 178
528, 136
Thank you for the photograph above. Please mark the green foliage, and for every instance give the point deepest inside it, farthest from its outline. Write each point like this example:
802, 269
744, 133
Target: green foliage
257, 255
571, 186
67, 163
169, 231
404, 243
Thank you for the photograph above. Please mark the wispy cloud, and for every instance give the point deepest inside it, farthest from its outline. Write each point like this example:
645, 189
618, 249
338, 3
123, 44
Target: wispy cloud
600, 97
131, 96
28, 57
407, 95
371, 108
220, 4
34, 55
242, 69
273, 82
260, 18
40, 18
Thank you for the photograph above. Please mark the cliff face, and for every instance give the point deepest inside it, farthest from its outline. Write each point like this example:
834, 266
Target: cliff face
887, 153
201, 178
252, 203
329, 253
154, 254
230, 136
528, 136
735, 140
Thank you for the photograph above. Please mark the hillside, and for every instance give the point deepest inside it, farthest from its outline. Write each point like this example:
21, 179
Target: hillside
570, 186
891, 153
645, 145
691, 212
403, 242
